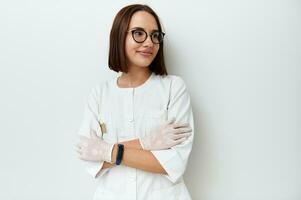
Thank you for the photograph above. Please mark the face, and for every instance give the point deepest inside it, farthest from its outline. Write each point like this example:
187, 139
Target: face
141, 54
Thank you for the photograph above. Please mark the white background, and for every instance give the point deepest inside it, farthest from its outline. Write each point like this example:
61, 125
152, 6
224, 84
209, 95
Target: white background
241, 63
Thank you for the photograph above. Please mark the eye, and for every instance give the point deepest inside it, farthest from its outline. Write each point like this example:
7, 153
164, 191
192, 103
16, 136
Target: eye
156, 35
138, 33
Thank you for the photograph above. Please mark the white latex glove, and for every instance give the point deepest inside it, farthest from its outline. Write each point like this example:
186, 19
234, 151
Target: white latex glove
166, 135
94, 149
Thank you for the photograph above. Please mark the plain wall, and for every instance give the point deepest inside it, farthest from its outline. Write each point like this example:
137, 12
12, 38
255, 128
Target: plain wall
240, 61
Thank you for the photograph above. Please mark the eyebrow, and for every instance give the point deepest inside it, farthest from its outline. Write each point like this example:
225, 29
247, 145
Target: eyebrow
140, 28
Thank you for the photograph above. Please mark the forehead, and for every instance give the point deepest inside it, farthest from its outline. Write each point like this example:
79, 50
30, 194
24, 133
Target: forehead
144, 20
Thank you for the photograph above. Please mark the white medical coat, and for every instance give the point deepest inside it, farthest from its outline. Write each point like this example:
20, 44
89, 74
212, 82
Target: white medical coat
132, 112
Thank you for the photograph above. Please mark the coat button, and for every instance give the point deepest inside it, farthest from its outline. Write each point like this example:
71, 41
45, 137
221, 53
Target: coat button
131, 120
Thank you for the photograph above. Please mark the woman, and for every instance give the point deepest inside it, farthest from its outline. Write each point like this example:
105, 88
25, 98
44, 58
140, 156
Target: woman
137, 131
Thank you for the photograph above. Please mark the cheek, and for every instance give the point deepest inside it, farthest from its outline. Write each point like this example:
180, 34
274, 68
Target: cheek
130, 47
156, 50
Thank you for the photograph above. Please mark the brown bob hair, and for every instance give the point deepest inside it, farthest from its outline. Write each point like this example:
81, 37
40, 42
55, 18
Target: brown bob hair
117, 56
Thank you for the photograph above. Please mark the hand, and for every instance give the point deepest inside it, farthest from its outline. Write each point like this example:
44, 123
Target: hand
94, 149
166, 135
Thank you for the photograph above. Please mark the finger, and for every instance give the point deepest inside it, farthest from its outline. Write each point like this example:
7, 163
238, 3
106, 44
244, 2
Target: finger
170, 121
182, 135
182, 130
83, 157
180, 124
78, 147
179, 141
80, 157
83, 144
79, 151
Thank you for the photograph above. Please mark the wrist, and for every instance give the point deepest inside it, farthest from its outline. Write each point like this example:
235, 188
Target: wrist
120, 152
114, 153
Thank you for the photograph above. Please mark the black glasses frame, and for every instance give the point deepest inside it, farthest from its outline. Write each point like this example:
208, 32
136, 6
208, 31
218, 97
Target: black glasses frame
146, 35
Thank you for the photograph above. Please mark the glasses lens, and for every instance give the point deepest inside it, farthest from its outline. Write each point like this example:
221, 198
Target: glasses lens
139, 35
157, 37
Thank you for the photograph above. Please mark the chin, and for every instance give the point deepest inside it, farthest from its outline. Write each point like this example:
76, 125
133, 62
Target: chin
143, 64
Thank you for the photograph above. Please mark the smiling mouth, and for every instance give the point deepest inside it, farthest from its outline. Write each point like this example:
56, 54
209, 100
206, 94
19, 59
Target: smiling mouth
145, 53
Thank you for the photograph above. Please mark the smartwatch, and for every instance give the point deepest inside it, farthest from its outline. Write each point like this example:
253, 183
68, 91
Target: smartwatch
119, 154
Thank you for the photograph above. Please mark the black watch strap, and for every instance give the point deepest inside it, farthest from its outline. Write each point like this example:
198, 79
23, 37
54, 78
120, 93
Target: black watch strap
119, 154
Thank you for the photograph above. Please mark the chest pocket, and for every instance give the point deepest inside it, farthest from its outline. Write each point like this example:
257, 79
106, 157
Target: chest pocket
108, 130
153, 119
107, 125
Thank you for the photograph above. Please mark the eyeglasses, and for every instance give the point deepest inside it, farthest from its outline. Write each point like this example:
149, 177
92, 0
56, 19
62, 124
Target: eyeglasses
139, 35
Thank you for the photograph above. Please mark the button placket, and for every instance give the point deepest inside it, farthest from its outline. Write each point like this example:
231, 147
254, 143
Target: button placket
130, 116
131, 183
131, 106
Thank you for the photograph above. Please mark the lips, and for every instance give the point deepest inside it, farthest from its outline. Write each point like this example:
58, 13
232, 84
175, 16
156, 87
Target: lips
145, 53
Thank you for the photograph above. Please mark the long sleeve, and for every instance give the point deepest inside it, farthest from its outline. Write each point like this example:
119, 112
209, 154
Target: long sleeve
89, 123
174, 160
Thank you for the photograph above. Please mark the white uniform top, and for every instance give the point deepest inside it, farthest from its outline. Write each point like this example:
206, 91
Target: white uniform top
129, 113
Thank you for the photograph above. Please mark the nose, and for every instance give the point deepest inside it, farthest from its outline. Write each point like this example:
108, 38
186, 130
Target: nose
148, 42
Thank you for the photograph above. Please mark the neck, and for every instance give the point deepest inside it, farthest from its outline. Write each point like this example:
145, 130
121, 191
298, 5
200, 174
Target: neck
134, 77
